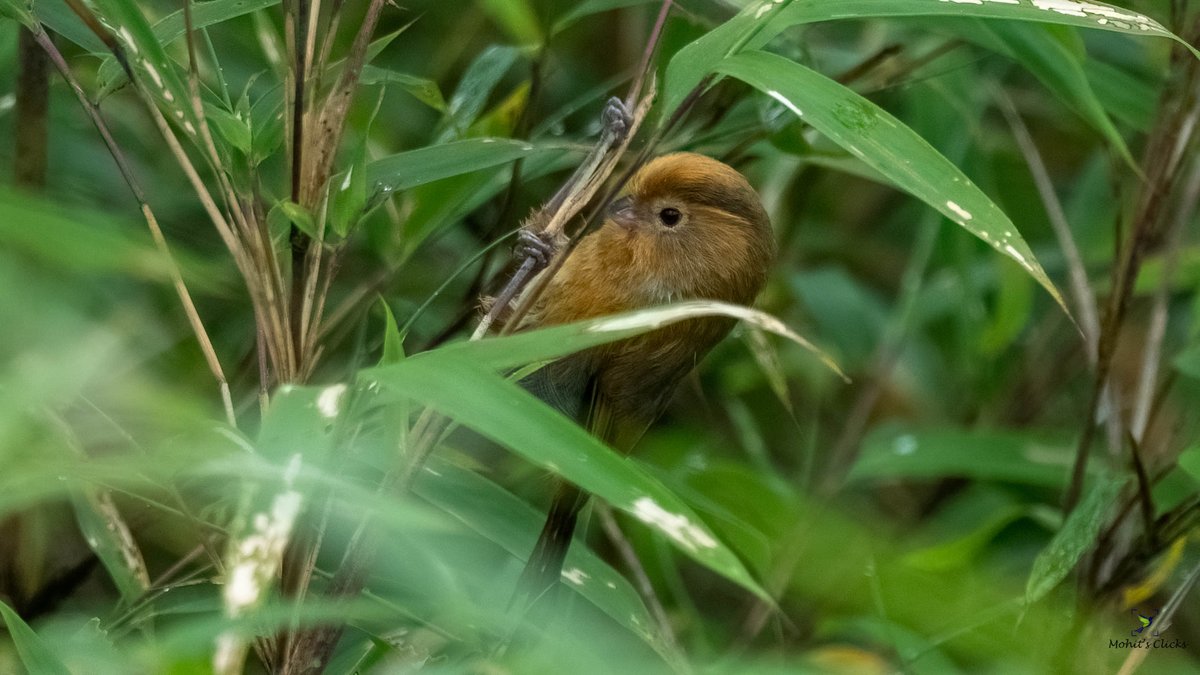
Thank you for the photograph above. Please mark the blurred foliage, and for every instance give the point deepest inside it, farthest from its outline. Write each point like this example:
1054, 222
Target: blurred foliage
777, 519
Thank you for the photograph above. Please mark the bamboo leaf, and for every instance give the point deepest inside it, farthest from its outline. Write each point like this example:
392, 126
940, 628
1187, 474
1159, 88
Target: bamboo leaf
108, 535
146, 53
424, 165
424, 90
1189, 461
555, 341
34, 653
1061, 69
499, 516
892, 453
17, 10
587, 8
349, 194
517, 17
1077, 535
887, 145
291, 212
502, 411
475, 87
507, 414
393, 341
761, 22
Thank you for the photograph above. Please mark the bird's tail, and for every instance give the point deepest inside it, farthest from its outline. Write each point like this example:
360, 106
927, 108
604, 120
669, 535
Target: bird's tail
540, 576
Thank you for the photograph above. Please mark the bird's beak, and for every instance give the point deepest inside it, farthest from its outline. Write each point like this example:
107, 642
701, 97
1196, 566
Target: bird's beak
622, 213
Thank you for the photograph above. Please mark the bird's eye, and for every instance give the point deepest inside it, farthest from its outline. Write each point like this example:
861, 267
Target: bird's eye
669, 216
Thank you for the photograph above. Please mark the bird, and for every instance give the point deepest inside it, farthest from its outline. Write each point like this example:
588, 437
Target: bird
685, 227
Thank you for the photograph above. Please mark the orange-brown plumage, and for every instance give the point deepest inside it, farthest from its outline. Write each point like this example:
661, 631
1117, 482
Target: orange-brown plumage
688, 227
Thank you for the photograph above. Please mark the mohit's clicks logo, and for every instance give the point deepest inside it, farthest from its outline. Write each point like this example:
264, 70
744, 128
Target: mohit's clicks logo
1145, 622
1145, 634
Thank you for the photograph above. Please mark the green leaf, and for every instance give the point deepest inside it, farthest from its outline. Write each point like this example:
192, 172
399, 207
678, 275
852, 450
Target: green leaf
393, 341
589, 7
35, 654
424, 165
442, 203
512, 524
1089, 14
1189, 461
301, 420
1128, 98
888, 146
759, 23
424, 90
205, 14
18, 10
58, 17
512, 351
82, 241
985, 454
1012, 312
373, 50
476, 86
266, 125
295, 214
349, 194
517, 17
230, 126
504, 412
158, 73
1188, 362
459, 381
169, 29
107, 534
1042, 50
698, 59
960, 531
1069, 544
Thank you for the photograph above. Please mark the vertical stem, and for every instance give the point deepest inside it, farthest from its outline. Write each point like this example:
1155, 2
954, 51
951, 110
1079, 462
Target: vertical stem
1179, 111
299, 64
299, 241
635, 91
33, 103
43, 41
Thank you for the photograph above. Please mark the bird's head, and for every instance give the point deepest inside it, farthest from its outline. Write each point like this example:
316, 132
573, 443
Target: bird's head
696, 227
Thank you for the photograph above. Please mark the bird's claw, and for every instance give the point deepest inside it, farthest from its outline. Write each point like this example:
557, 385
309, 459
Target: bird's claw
536, 247
616, 118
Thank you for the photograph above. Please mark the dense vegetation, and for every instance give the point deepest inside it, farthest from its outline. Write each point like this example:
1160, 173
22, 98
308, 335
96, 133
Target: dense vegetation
242, 247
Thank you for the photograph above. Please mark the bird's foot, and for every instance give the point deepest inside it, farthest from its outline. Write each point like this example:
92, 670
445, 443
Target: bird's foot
535, 246
617, 119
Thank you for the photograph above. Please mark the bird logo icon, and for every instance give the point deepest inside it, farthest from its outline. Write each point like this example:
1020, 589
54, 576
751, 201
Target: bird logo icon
1144, 622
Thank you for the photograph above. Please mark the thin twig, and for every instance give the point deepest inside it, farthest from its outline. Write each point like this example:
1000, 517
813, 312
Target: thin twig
89, 19
1081, 290
298, 26
1144, 495
618, 539
185, 297
331, 121
583, 185
520, 130
1178, 114
1151, 355
883, 361
635, 89
1085, 299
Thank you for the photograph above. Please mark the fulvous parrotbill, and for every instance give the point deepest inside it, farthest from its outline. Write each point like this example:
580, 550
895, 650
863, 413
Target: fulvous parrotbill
687, 227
